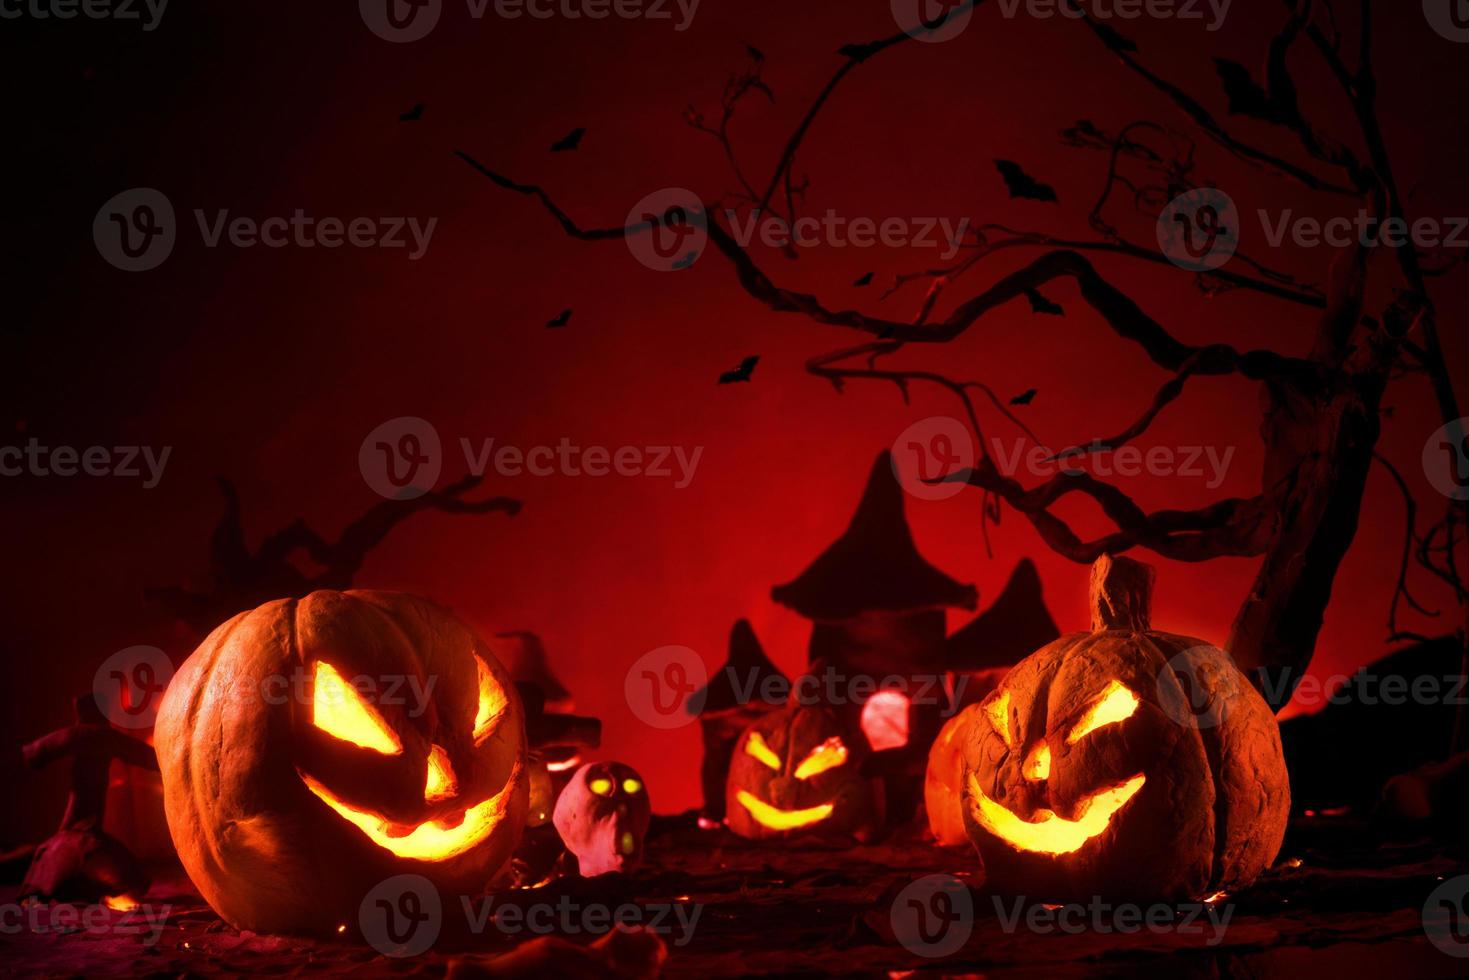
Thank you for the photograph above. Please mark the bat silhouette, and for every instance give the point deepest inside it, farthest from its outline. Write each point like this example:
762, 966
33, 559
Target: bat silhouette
1024, 398
755, 52
1021, 184
741, 373
412, 115
560, 319
1039, 304
569, 142
864, 280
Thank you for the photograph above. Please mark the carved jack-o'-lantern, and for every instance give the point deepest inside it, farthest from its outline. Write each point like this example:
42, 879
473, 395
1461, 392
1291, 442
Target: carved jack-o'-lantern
602, 816
797, 771
312, 748
1124, 762
943, 782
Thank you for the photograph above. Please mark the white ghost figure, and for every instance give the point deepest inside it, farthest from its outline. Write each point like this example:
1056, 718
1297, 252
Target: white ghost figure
602, 816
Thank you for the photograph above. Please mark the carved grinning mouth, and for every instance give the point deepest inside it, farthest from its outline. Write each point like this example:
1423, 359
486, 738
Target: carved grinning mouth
434, 840
778, 819
1049, 833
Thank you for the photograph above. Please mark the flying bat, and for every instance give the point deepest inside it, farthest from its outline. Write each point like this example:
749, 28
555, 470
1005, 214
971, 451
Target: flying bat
560, 320
1021, 184
741, 373
412, 115
569, 142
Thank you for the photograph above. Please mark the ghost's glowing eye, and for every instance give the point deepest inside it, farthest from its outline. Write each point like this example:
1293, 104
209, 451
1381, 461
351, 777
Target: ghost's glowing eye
441, 783
1116, 704
827, 755
491, 702
602, 786
998, 710
338, 710
755, 746
631, 786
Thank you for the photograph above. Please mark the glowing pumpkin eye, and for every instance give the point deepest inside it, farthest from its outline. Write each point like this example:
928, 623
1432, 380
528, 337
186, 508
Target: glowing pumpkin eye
631, 786
827, 755
998, 710
755, 746
492, 703
338, 710
1116, 704
602, 786
441, 783
1038, 766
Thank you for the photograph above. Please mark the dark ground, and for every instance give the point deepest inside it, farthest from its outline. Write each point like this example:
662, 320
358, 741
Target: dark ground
1334, 905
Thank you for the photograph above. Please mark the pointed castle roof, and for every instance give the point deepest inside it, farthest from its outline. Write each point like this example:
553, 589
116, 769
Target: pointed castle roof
874, 565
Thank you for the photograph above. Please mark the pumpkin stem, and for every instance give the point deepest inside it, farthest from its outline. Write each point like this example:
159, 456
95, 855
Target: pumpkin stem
1121, 594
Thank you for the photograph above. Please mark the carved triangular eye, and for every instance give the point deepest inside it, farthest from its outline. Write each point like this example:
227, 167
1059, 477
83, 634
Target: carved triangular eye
338, 710
492, 702
827, 755
755, 746
1116, 704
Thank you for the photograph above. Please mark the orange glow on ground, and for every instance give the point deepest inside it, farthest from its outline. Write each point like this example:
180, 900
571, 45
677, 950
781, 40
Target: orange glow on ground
776, 819
431, 841
120, 903
1048, 833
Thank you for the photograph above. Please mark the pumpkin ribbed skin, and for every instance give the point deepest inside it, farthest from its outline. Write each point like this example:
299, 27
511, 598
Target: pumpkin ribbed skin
234, 738
1211, 812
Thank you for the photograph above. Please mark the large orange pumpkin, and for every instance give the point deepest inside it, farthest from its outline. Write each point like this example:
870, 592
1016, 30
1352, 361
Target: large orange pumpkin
1124, 763
312, 748
943, 781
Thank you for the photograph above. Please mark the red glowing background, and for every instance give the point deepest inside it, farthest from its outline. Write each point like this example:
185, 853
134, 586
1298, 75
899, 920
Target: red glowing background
270, 366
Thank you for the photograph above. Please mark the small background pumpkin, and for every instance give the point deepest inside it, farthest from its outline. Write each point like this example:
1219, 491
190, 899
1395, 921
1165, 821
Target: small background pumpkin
1124, 762
281, 819
798, 772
